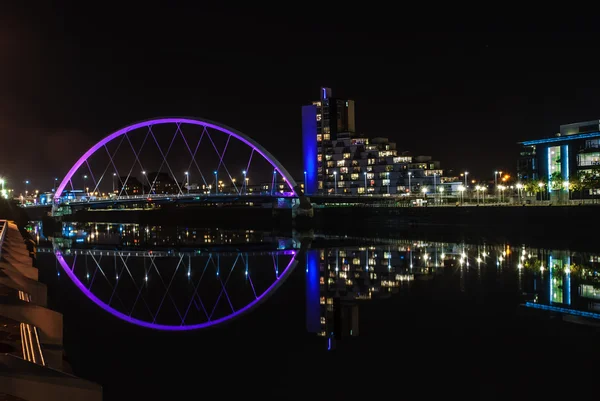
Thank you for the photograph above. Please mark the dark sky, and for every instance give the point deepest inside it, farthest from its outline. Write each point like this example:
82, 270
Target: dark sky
462, 93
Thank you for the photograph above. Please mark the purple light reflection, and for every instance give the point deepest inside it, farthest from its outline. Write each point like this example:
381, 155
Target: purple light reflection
175, 120
288, 269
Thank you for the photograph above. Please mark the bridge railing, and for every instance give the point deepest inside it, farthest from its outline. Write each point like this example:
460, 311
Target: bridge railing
150, 197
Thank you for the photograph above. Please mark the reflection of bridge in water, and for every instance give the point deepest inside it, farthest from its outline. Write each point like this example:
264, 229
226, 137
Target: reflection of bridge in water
176, 289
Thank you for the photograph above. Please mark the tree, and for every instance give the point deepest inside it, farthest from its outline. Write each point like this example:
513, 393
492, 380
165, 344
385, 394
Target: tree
556, 181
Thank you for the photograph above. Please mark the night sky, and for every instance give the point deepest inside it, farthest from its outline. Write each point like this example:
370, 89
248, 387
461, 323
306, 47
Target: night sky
463, 94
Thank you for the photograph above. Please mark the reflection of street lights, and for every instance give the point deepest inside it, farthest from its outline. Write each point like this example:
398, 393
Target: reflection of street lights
335, 182
187, 181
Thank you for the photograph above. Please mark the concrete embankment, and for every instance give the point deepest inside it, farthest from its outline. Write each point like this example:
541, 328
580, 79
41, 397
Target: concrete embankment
31, 335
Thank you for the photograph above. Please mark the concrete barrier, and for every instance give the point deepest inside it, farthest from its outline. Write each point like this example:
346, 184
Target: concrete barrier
30, 378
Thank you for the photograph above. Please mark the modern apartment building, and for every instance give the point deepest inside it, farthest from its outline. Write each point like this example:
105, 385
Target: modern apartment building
338, 160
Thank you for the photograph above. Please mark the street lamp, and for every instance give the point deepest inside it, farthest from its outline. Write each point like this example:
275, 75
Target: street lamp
216, 182
335, 182
566, 186
187, 181
305, 182
273, 190
424, 190
245, 183
113, 181
365, 175
519, 187
434, 184
143, 188
461, 189
441, 192
466, 174
409, 187
541, 185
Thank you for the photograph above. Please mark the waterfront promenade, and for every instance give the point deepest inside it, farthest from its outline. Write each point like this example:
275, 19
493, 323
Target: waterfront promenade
31, 335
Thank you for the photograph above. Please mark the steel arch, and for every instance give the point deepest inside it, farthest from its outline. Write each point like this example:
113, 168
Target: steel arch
138, 322
179, 120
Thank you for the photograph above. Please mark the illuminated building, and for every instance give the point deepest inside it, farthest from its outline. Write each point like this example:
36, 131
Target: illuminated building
337, 160
572, 151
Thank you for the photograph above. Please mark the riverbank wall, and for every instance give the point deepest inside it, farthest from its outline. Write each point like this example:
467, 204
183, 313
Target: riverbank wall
31, 335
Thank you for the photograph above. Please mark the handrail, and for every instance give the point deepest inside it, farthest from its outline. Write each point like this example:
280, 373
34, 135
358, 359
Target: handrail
3, 233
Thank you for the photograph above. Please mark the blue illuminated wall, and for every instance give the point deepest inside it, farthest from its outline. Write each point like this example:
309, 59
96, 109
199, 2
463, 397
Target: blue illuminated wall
309, 148
565, 158
313, 288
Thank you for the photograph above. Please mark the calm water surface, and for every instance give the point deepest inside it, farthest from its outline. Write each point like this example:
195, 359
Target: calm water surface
292, 317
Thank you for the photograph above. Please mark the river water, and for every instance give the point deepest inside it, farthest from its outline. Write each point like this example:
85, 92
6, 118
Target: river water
156, 312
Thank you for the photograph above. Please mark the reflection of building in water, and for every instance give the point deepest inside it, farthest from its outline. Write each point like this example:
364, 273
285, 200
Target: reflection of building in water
567, 279
351, 274
339, 279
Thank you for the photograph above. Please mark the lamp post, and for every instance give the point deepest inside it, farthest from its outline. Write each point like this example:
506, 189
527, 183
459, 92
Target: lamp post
365, 175
113, 181
187, 181
461, 190
55, 181
519, 187
541, 186
409, 186
143, 187
216, 182
466, 174
305, 182
245, 183
274, 182
441, 192
477, 188
84, 181
434, 184
335, 182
